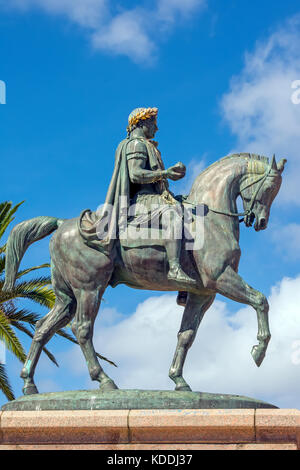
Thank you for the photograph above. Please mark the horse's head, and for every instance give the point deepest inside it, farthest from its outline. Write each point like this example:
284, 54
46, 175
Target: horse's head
258, 190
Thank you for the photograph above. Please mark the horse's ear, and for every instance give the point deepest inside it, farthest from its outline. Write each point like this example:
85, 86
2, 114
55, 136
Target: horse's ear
274, 165
281, 165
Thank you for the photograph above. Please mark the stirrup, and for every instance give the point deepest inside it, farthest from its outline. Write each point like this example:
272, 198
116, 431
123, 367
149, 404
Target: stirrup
181, 298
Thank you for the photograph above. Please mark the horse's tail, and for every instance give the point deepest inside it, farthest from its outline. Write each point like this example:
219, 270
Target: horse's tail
20, 238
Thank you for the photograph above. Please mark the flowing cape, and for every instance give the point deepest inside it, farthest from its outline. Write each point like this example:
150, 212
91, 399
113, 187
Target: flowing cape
90, 224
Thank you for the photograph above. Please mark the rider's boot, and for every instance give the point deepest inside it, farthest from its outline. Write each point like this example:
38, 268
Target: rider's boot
173, 249
177, 274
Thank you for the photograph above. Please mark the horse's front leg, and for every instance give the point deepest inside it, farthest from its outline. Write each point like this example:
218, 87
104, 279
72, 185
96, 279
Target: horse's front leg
195, 308
231, 285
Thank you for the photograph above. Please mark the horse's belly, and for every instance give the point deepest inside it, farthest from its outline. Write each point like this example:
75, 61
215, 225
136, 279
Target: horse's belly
145, 268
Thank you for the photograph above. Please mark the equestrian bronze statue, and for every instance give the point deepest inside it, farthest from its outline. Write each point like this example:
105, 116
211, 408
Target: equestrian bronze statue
199, 257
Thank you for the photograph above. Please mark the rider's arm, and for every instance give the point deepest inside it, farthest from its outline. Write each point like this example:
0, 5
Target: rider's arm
137, 158
139, 175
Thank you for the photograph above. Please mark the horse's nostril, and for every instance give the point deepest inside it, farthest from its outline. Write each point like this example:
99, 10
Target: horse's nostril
262, 223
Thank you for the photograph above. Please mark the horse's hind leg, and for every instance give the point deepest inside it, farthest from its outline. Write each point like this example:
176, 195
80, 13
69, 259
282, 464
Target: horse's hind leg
193, 313
61, 314
88, 302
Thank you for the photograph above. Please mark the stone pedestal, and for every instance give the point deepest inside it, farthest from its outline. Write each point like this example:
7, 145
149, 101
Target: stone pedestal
238, 429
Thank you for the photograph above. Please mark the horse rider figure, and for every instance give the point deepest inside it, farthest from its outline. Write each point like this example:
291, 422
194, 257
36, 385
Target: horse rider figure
140, 179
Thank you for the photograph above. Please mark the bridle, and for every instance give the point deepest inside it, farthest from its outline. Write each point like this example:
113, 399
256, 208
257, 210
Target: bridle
248, 215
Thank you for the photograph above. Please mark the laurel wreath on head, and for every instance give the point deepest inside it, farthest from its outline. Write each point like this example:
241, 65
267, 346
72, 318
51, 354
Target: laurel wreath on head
141, 115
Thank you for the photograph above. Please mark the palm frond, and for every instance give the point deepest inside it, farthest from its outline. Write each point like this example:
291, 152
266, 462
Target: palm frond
14, 314
6, 215
9, 338
66, 335
4, 208
35, 283
5, 386
105, 359
35, 290
29, 270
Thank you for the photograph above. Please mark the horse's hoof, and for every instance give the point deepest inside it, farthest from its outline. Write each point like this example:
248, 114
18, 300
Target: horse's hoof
258, 355
30, 390
108, 385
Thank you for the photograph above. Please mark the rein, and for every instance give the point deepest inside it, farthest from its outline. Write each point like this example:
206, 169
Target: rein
248, 212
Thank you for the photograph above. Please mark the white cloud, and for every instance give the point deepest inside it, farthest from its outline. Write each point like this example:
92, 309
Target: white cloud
219, 361
87, 13
134, 32
126, 34
259, 108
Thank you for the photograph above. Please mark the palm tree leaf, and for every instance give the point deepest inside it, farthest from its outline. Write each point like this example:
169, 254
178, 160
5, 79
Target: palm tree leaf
35, 290
43, 296
5, 386
16, 207
23, 328
4, 208
8, 336
13, 314
32, 283
35, 283
66, 335
2, 249
29, 270
6, 215
105, 359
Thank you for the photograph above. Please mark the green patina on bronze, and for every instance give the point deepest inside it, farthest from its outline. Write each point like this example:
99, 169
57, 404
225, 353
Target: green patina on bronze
132, 400
83, 265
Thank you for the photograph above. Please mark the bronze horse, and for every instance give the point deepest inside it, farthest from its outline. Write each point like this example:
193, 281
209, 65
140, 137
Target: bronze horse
81, 274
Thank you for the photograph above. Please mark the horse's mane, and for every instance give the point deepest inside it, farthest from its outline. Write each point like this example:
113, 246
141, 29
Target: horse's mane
249, 156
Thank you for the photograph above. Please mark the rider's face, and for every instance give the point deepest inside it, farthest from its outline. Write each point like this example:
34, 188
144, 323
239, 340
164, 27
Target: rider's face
150, 128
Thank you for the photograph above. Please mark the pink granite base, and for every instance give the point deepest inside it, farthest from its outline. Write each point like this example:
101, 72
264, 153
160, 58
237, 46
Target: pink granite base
271, 429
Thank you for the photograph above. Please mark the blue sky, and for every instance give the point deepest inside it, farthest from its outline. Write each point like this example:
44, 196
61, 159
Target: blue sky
221, 77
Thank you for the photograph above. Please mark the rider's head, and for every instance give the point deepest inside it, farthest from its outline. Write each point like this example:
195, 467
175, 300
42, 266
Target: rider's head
145, 119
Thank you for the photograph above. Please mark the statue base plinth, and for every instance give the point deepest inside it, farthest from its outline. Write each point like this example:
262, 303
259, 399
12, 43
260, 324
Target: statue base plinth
114, 430
131, 400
